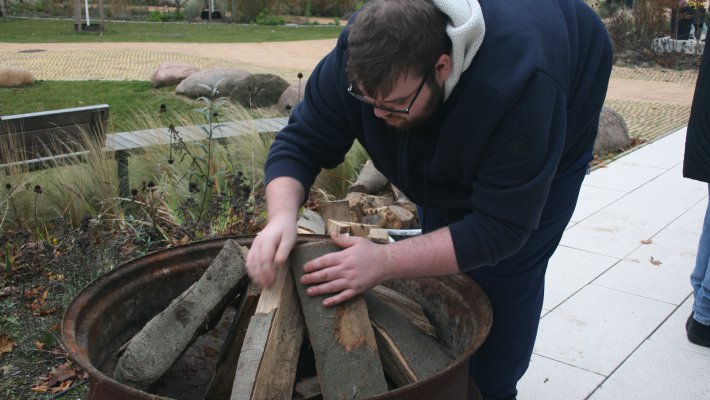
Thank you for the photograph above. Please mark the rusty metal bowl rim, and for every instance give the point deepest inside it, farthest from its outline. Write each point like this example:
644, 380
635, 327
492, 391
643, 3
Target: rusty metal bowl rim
80, 355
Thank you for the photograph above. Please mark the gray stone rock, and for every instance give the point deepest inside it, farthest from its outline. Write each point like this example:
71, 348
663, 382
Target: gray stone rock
171, 73
613, 133
224, 78
259, 90
290, 97
16, 77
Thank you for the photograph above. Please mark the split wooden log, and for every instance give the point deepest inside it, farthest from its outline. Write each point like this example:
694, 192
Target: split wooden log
223, 379
269, 356
344, 345
340, 227
335, 210
311, 222
352, 228
369, 180
361, 202
308, 388
392, 217
379, 235
408, 354
405, 306
152, 351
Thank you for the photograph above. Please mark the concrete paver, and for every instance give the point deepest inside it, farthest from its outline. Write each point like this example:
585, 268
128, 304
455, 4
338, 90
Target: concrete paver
614, 326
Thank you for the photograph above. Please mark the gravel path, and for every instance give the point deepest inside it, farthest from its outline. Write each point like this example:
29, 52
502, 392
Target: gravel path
653, 101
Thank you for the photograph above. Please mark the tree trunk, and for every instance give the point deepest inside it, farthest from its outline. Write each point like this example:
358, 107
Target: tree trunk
77, 15
101, 14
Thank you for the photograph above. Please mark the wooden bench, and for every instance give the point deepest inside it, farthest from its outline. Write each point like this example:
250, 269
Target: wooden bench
122, 144
40, 139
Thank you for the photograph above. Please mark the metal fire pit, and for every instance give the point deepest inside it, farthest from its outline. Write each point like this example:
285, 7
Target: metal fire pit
113, 308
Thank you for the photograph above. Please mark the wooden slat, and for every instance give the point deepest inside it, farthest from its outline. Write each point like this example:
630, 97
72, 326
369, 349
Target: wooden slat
343, 342
269, 356
223, 378
54, 118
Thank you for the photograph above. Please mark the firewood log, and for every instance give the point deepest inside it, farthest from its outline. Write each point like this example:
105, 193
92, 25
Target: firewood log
344, 344
152, 351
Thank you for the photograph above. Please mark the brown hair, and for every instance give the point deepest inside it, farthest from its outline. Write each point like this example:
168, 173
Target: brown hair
390, 39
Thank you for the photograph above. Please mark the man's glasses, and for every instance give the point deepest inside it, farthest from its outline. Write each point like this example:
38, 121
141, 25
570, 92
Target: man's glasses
352, 90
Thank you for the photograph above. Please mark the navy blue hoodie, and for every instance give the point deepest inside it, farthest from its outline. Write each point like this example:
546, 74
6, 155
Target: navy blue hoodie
525, 111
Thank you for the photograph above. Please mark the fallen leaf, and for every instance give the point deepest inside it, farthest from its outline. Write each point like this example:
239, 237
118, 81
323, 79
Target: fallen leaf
56, 327
40, 388
6, 344
647, 241
39, 344
44, 296
655, 262
62, 387
60, 374
546, 380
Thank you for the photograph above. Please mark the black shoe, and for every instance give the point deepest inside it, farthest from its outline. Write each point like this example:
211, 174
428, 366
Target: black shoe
697, 332
687, 323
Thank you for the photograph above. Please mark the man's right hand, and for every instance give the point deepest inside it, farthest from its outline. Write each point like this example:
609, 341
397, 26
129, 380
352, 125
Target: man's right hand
270, 250
271, 247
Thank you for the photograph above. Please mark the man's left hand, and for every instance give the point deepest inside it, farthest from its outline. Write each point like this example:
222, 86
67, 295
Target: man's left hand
360, 266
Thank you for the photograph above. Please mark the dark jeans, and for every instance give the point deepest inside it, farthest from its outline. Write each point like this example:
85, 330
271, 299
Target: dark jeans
515, 287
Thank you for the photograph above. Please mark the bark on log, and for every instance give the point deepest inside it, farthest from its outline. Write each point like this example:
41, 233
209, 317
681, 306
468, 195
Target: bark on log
223, 379
155, 348
408, 354
370, 180
344, 345
269, 357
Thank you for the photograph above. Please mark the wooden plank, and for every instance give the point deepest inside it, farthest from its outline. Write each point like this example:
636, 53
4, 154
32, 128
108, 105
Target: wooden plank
408, 354
269, 356
343, 342
65, 116
221, 384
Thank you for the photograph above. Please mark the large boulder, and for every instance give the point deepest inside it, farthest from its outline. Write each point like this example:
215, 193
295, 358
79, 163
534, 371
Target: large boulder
223, 78
290, 97
171, 73
259, 90
16, 77
613, 133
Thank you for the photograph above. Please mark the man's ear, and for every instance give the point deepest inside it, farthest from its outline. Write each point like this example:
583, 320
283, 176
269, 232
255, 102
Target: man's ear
443, 68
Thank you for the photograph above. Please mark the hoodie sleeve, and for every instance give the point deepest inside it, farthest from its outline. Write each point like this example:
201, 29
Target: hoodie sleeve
318, 134
513, 180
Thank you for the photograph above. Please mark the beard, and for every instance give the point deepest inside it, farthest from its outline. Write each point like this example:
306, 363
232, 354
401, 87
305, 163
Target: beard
406, 123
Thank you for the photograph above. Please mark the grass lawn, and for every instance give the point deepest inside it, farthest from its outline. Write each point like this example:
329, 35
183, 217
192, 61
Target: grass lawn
129, 101
62, 31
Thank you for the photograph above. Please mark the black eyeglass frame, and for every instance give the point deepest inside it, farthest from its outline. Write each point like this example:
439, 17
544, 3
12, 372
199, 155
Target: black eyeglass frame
361, 98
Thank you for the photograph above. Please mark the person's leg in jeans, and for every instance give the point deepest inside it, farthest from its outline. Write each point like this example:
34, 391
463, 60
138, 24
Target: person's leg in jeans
698, 325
